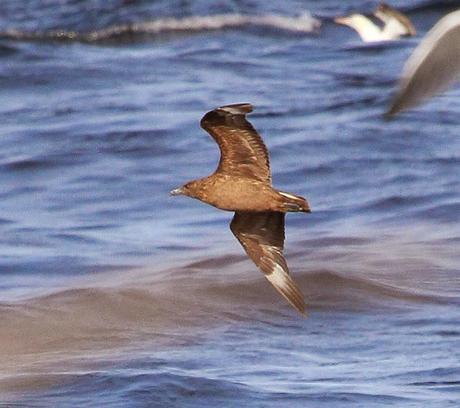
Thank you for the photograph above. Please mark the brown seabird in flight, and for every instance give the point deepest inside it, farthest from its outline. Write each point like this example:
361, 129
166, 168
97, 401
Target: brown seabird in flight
242, 183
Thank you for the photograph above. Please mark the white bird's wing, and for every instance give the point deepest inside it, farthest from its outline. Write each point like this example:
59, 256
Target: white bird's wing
432, 67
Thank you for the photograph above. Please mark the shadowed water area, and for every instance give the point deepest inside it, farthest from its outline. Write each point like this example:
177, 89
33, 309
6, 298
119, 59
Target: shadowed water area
113, 293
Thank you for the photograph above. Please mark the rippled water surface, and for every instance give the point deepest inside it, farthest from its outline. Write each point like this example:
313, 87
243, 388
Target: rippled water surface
112, 293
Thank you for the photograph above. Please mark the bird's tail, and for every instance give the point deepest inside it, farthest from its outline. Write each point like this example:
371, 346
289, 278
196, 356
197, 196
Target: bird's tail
294, 203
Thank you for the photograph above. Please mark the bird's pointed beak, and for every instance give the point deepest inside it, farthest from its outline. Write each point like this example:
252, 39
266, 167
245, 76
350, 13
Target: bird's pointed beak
176, 191
342, 20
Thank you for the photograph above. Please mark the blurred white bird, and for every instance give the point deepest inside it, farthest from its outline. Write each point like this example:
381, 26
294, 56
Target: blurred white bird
432, 67
395, 26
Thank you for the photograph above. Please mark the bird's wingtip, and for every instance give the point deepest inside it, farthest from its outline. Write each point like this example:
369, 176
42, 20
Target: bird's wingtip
389, 114
237, 108
222, 112
397, 105
284, 284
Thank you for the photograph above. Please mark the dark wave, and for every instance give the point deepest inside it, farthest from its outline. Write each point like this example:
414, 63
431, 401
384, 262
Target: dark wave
327, 290
435, 5
153, 388
95, 315
44, 330
396, 202
6, 51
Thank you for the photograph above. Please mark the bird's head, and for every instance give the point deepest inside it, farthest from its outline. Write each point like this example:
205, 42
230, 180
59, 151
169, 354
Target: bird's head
354, 21
188, 189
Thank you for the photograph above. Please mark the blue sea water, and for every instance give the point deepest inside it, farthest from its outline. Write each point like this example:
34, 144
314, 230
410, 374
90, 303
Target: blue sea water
113, 293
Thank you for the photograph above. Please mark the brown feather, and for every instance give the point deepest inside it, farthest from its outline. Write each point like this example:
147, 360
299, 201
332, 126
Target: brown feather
262, 236
243, 153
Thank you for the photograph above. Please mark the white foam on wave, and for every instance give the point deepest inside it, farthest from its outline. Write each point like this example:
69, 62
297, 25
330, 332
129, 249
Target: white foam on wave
304, 23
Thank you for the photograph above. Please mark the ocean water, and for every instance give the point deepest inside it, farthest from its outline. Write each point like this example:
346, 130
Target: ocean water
113, 293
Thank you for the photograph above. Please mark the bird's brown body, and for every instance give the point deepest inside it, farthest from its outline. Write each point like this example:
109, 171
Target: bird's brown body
242, 183
232, 193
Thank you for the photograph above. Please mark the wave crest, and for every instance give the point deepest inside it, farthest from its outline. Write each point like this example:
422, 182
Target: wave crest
77, 316
304, 23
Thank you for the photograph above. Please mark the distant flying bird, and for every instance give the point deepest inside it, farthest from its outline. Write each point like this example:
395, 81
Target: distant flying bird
242, 183
396, 25
432, 67
395, 22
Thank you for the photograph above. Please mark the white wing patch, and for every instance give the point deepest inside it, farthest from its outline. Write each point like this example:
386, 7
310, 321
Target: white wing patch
288, 195
283, 283
237, 109
278, 277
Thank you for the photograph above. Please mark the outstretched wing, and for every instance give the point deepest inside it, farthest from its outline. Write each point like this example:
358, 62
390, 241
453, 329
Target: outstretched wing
391, 16
433, 65
242, 151
262, 236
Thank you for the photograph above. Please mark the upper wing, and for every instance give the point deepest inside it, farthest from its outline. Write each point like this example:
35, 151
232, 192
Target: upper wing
433, 65
262, 237
394, 20
243, 153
